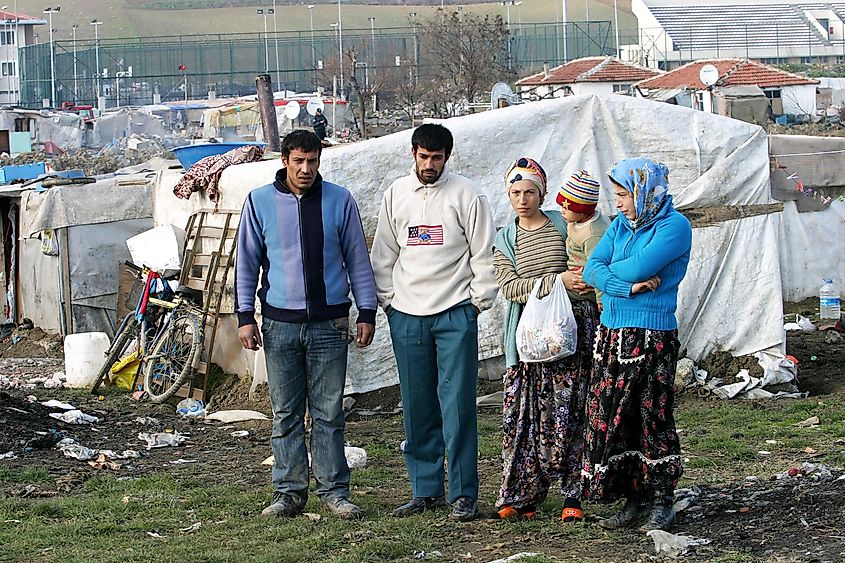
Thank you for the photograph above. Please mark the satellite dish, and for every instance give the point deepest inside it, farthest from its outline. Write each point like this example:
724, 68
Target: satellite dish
313, 105
501, 91
292, 110
709, 75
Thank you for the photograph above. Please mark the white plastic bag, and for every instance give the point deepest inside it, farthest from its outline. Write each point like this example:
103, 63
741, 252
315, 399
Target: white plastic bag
547, 329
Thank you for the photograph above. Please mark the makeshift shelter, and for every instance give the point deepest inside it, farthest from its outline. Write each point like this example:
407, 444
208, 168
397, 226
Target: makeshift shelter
731, 298
23, 130
64, 246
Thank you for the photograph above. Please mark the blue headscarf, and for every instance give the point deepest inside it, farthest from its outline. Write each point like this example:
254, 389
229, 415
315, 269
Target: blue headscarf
649, 182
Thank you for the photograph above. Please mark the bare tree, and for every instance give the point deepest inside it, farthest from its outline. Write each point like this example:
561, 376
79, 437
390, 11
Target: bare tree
465, 55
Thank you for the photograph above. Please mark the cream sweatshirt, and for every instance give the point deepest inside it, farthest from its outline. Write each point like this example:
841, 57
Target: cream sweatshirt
434, 246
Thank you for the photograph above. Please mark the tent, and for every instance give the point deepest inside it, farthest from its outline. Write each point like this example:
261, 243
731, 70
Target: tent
731, 297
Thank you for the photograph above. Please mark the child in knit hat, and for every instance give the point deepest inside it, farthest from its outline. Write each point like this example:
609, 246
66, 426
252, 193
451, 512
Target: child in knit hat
578, 199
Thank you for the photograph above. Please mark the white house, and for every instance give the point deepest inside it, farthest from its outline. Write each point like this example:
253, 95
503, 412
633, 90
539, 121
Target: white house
788, 93
15, 30
590, 75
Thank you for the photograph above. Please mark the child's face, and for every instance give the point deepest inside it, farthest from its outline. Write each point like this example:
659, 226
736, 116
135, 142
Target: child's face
571, 216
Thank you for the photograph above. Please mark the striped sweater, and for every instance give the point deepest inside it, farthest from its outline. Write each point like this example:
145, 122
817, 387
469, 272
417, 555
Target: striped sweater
540, 255
307, 251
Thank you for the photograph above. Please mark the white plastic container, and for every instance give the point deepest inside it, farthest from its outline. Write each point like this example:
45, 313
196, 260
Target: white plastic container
829, 301
84, 356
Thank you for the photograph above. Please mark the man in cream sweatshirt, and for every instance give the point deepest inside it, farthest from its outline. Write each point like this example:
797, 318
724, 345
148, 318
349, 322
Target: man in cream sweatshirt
433, 263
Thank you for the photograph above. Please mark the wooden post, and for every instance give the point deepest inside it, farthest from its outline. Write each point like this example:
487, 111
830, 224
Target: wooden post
269, 124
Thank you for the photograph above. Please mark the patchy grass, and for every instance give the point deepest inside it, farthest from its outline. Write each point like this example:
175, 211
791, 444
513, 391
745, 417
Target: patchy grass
141, 519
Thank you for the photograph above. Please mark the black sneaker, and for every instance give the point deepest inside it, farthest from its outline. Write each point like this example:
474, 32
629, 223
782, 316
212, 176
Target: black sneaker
283, 506
419, 504
464, 510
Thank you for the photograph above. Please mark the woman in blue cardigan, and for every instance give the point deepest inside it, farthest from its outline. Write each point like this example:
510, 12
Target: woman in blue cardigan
632, 448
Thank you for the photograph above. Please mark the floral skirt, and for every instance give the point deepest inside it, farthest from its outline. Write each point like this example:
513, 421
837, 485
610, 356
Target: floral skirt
631, 447
543, 420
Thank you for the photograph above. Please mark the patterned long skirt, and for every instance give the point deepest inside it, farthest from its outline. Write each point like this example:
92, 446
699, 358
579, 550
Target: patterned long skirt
632, 447
543, 420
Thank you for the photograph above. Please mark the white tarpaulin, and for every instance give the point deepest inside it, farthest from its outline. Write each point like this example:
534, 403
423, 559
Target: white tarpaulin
731, 298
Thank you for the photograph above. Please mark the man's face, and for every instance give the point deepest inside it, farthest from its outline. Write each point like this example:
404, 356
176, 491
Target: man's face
429, 164
301, 169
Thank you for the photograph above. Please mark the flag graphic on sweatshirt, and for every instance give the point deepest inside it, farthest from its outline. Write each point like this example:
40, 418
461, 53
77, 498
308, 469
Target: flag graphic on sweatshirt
425, 235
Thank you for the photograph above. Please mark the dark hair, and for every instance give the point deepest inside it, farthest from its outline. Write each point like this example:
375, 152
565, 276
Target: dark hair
301, 139
433, 137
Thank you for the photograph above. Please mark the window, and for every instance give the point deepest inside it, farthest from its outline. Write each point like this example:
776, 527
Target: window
699, 101
772, 94
621, 88
7, 68
21, 124
7, 38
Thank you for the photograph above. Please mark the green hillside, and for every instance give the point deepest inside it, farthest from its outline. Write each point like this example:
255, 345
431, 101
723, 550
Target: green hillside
123, 18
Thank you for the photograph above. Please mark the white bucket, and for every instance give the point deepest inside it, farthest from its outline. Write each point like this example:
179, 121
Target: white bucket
84, 356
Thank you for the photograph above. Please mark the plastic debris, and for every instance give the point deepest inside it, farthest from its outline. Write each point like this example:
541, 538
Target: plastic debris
181, 461
809, 423
161, 439
356, 458
269, 461
147, 420
155, 535
53, 403
515, 557
8, 455
74, 416
673, 545
192, 528
236, 416
58, 380
103, 461
191, 408
70, 448
348, 403
240, 434
312, 516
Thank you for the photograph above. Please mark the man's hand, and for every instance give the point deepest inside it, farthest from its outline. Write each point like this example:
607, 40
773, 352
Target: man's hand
250, 337
650, 284
366, 331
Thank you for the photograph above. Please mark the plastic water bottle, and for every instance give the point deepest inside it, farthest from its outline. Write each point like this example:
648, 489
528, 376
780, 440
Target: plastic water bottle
829, 301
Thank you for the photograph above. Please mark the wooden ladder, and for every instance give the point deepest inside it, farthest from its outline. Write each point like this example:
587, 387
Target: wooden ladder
210, 241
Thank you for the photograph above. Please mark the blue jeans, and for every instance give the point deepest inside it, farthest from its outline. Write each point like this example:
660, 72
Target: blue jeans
307, 361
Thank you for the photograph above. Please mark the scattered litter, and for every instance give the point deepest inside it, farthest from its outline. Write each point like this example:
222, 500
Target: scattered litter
181, 461
428, 554
771, 441
312, 516
103, 461
161, 439
809, 423
240, 434
491, 400
269, 461
801, 323
74, 416
70, 448
192, 528
53, 403
673, 545
8, 455
348, 403
31, 398
515, 557
155, 535
764, 452
11, 521
402, 446
138, 395
236, 416
147, 420
809, 450
191, 408
356, 458
58, 380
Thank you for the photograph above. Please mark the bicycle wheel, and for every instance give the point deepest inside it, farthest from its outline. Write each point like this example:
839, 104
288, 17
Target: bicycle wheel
128, 331
173, 357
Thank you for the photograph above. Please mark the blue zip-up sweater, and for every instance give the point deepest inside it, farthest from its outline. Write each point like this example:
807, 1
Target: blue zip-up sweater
307, 251
625, 256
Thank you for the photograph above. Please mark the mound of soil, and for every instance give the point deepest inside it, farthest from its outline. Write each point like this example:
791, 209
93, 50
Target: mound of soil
27, 426
33, 343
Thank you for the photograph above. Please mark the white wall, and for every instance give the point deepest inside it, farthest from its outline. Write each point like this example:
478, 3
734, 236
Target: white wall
799, 100
10, 84
587, 88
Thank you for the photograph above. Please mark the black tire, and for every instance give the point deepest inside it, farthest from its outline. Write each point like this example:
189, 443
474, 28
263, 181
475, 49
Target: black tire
173, 357
128, 331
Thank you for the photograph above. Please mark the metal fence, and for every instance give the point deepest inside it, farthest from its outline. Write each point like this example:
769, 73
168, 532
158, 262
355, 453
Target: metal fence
132, 71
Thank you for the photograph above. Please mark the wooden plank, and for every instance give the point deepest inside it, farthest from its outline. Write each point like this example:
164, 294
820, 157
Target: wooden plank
65, 258
213, 232
185, 390
194, 283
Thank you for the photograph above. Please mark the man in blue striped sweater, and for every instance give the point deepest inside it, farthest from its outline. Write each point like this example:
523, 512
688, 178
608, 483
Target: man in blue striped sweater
303, 237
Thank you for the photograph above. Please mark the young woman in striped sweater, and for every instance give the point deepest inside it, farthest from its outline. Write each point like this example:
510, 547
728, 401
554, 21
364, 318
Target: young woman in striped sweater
543, 410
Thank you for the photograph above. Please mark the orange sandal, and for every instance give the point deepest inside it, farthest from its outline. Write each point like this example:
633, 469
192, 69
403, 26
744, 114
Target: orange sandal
572, 515
510, 513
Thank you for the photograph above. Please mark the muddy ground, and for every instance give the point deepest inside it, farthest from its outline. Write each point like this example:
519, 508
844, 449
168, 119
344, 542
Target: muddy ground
763, 517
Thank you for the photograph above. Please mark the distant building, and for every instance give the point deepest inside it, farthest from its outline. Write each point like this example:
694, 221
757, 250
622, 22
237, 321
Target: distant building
590, 75
675, 32
16, 30
787, 93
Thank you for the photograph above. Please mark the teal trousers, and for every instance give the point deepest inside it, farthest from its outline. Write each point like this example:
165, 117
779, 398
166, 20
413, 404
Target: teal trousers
437, 358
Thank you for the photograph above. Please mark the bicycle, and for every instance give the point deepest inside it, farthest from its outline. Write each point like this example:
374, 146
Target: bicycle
168, 359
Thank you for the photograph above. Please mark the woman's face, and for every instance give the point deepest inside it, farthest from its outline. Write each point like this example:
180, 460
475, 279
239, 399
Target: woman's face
625, 202
525, 198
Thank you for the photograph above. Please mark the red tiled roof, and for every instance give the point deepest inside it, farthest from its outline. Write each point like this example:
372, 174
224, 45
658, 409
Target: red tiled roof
732, 72
590, 69
6, 16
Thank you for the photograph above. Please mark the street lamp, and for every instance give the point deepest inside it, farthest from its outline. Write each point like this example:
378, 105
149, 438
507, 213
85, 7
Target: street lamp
313, 51
75, 86
276, 41
264, 13
563, 21
340, 45
372, 32
616, 26
50, 11
413, 16
97, 25
508, 4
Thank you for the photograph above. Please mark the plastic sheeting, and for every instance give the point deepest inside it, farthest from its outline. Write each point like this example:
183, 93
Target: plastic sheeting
731, 298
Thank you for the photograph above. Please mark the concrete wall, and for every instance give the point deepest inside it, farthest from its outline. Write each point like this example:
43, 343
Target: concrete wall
799, 100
